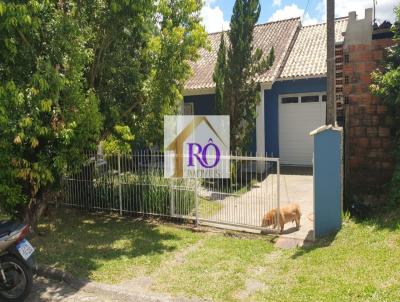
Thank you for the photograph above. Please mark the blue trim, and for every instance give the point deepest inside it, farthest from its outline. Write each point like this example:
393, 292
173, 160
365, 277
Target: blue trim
271, 106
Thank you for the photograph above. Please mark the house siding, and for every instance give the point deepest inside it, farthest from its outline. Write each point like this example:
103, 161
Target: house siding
271, 97
205, 105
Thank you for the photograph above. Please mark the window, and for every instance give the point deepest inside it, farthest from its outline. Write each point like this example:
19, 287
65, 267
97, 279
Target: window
310, 99
188, 109
299, 98
290, 100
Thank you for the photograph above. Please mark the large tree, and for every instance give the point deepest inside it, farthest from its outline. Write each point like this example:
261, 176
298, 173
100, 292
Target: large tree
219, 76
240, 91
68, 66
119, 33
176, 41
141, 50
386, 84
46, 113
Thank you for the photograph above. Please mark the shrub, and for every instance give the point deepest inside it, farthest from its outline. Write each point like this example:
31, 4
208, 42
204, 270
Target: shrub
148, 192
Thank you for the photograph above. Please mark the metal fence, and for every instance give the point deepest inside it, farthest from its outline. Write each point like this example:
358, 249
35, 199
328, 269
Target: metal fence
135, 184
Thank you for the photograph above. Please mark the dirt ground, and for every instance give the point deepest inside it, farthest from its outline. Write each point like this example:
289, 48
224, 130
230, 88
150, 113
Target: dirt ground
46, 290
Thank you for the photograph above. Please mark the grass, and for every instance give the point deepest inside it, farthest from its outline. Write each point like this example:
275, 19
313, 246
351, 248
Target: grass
360, 263
246, 188
208, 208
4, 216
107, 248
238, 187
216, 270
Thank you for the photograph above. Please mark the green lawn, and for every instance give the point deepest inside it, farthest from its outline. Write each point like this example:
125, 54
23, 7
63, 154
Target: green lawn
360, 263
208, 208
107, 248
246, 188
216, 270
3, 216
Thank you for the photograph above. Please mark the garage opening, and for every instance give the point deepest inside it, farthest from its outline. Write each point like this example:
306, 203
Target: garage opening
299, 114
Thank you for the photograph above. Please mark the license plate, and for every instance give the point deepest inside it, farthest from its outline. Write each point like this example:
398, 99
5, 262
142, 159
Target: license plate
25, 249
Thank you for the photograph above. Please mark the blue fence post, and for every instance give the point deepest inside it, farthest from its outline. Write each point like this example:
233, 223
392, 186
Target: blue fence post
328, 180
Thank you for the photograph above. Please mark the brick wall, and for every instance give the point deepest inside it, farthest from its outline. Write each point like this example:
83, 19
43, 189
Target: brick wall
369, 144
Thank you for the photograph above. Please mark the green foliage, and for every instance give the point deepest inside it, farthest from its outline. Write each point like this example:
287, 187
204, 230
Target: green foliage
177, 39
69, 67
386, 84
394, 195
46, 115
237, 86
118, 34
386, 81
141, 52
148, 192
219, 76
119, 143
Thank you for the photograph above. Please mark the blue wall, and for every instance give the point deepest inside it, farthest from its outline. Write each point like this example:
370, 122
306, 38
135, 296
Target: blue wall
327, 182
271, 106
203, 104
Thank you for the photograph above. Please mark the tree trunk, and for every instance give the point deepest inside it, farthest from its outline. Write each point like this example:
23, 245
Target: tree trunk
33, 212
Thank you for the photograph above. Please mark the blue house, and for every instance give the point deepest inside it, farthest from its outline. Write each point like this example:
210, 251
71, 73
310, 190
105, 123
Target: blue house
293, 91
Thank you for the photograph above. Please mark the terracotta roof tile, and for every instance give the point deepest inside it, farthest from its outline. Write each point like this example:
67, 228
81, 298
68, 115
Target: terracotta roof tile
278, 34
308, 55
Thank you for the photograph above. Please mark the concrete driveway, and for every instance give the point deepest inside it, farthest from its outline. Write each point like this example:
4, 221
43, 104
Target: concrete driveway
297, 186
245, 211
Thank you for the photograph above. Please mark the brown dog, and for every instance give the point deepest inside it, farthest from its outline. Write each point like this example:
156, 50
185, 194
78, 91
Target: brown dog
288, 213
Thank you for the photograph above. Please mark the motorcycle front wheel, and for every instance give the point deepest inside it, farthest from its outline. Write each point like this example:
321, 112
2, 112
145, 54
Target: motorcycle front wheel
18, 279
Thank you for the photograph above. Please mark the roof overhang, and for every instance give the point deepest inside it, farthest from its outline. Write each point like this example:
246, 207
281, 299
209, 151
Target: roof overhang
211, 90
266, 85
302, 77
199, 91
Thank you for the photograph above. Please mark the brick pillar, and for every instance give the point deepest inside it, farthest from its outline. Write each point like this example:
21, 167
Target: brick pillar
339, 84
368, 127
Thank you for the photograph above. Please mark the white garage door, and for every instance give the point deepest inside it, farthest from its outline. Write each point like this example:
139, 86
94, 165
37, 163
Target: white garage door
298, 115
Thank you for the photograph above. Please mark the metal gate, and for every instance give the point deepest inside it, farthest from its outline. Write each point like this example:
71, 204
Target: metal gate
244, 199
135, 184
